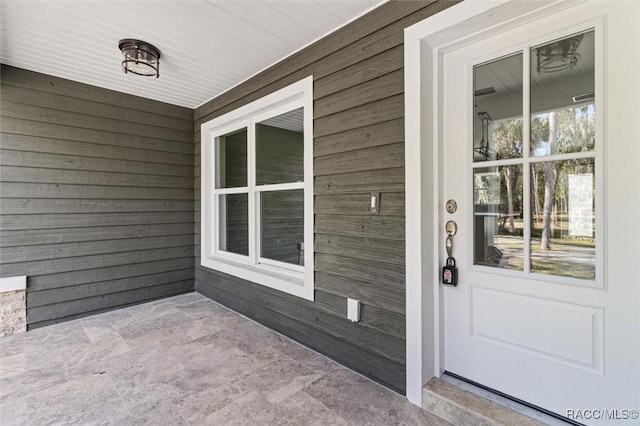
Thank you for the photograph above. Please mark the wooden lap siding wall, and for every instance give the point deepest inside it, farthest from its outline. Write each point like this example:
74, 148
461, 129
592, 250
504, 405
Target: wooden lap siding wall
358, 149
97, 196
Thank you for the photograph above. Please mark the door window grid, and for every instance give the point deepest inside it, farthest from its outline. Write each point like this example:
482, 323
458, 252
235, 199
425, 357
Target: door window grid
222, 195
485, 161
262, 252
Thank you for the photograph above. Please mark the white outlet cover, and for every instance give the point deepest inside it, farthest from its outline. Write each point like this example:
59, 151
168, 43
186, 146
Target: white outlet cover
353, 309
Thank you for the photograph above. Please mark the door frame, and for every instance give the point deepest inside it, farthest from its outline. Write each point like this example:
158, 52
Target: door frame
425, 44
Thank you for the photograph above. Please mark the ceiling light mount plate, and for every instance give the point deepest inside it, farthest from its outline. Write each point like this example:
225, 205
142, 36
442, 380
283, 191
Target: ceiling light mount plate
140, 57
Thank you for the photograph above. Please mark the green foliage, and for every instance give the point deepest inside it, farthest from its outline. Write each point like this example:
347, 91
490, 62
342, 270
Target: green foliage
507, 138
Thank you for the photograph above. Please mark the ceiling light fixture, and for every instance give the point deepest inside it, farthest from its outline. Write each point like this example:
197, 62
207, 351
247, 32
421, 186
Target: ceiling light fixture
560, 55
140, 57
483, 148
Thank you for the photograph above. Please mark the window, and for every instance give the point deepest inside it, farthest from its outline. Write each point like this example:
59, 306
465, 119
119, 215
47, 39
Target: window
257, 191
535, 160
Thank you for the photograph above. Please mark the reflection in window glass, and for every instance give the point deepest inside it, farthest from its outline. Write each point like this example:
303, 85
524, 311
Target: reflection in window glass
563, 218
280, 149
231, 155
498, 226
234, 223
497, 119
562, 96
282, 226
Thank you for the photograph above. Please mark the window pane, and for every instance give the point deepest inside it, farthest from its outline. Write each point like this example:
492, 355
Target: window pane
282, 226
231, 153
234, 223
497, 118
497, 226
563, 215
562, 96
280, 149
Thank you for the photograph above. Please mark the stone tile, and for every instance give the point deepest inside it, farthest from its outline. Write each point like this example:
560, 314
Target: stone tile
97, 331
183, 360
59, 334
460, 406
265, 344
194, 329
219, 316
84, 368
53, 344
223, 368
157, 338
200, 406
184, 298
254, 339
87, 354
11, 345
248, 406
154, 406
197, 304
133, 369
12, 364
116, 319
361, 401
309, 358
13, 312
224, 417
31, 380
86, 400
280, 379
298, 410
200, 353
14, 412
139, 328
174, 335
152, 310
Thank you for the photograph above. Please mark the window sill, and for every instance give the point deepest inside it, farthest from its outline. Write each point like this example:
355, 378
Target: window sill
290, 282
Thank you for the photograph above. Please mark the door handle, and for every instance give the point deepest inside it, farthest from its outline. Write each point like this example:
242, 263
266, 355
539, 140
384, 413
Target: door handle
451, 228
449, 271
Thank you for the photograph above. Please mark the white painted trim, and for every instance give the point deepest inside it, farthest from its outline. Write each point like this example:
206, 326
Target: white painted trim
279, 187
424, 44
298, 281
13, 284
413, 221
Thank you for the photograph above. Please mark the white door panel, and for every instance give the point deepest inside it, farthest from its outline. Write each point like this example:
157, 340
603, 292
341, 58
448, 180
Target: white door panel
558, 328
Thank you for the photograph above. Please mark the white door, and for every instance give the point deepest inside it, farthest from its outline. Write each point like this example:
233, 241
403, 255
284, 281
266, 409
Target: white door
540, 152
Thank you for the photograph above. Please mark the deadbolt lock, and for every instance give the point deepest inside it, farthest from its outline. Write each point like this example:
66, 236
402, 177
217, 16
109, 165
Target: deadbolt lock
451, 206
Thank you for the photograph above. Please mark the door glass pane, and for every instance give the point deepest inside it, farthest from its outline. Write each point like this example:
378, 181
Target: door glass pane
234, 223
563, 218
497, 224
497, 118
562, 96
282, 226
231, 155
280, 149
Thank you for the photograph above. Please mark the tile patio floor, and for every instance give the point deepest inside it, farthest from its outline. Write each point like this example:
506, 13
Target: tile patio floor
184, 360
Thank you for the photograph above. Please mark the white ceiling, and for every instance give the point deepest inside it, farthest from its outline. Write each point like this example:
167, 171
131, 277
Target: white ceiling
207, 46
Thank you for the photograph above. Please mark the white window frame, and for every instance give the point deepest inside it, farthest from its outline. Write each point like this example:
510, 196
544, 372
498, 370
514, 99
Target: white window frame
527, 160
292, 279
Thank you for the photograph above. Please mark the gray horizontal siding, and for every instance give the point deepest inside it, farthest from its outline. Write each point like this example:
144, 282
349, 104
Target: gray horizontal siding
97, 196
358, 149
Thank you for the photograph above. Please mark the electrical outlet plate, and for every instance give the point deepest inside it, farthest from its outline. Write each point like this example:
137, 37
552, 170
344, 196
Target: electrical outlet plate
353, 309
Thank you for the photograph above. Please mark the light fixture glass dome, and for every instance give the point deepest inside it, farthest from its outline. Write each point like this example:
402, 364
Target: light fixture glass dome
140, 57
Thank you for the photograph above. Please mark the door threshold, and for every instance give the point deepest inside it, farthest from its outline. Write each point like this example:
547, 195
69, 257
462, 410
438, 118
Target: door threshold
461, 402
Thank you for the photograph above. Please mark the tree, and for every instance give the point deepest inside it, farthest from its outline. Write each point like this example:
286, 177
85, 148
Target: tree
558, 132
507, 137
549, 186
